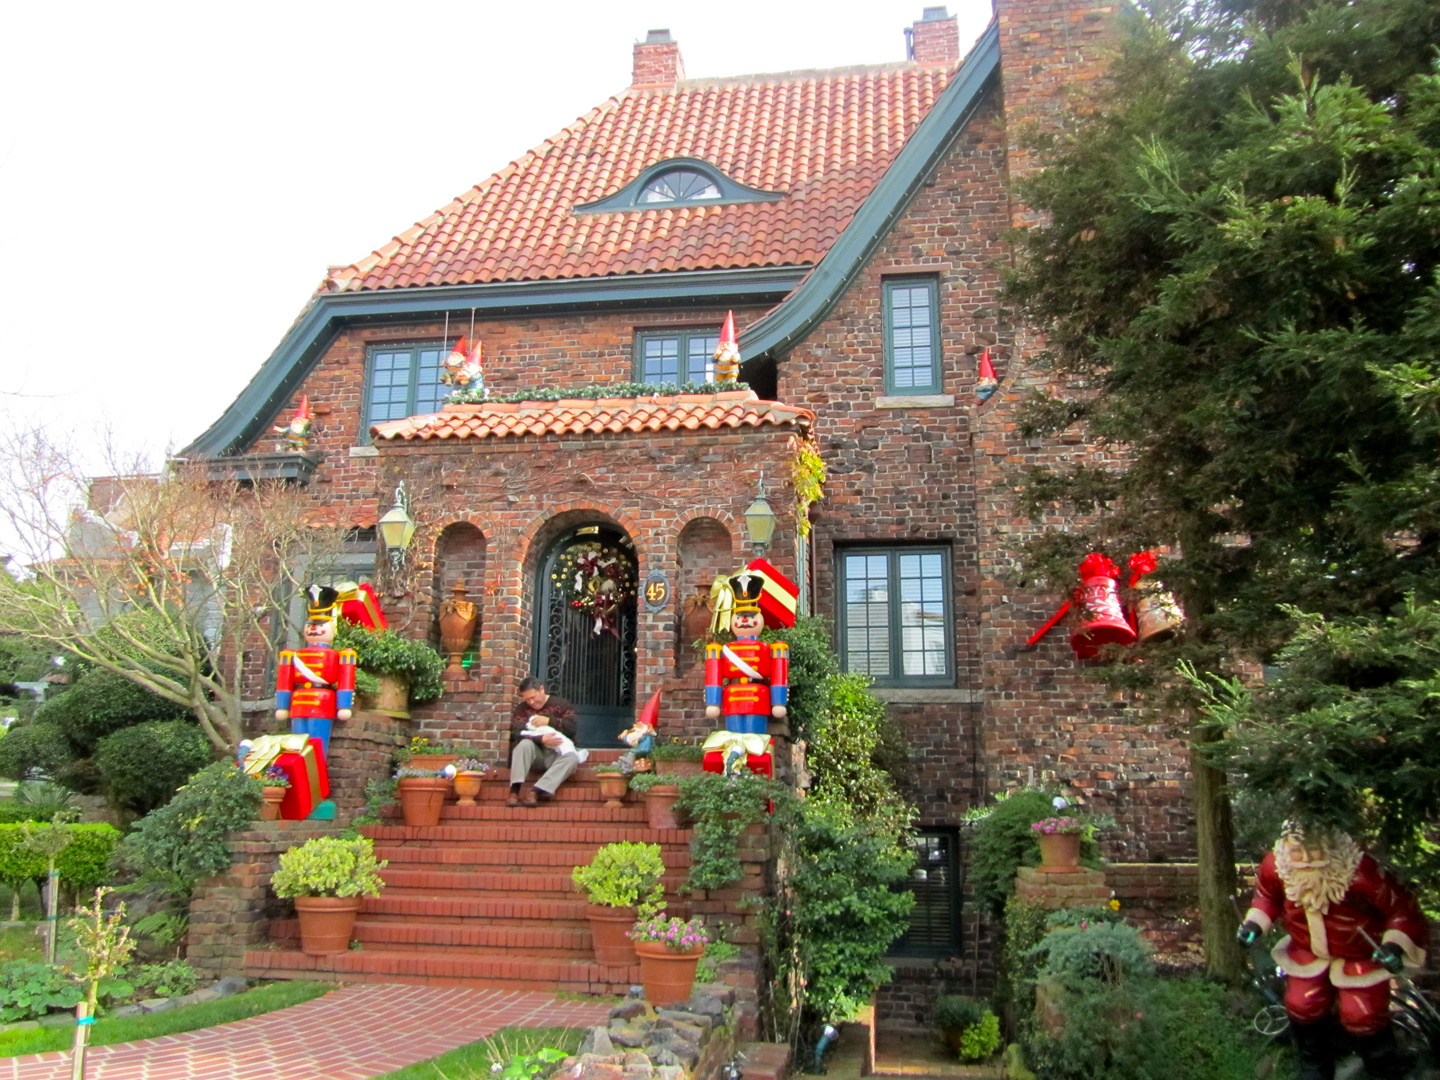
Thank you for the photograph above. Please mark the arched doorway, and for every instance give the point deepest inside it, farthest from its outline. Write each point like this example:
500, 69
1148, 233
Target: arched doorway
585, 629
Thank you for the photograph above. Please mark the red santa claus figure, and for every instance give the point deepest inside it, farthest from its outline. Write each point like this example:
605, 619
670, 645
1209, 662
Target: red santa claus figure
748, 680
1349, 925
315, 686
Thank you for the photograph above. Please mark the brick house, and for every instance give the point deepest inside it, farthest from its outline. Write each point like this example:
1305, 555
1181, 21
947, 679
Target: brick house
855, 222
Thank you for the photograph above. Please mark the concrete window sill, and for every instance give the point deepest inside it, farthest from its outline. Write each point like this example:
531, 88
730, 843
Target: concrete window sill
902, 695
916, 401
364, 451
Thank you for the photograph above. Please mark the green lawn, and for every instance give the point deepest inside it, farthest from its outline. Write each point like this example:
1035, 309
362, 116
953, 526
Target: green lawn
473, 1061
262, 999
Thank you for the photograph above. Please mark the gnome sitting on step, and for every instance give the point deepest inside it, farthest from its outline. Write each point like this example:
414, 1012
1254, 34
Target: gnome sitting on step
1349, 925
641, 738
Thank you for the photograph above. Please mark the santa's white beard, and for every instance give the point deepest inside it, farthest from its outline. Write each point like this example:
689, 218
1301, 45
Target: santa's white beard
1324, 881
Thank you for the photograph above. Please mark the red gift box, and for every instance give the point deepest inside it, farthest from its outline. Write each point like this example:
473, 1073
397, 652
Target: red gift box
364, 609
762, 764
780, 597
309, 781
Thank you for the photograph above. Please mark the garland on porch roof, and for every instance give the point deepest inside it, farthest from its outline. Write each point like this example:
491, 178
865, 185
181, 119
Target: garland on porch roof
592, 393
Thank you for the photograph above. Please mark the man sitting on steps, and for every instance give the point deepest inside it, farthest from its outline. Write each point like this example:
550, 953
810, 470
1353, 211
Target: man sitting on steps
552, 750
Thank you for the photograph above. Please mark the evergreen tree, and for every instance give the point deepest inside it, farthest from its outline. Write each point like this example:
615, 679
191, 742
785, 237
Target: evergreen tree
1238, 284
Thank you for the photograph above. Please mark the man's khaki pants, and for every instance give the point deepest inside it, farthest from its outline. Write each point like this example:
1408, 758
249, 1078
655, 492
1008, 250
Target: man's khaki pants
558, 767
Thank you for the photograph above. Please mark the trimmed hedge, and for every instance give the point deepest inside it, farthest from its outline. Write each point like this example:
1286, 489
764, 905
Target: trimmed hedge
102, 703
145, 765
33, 749
83, 865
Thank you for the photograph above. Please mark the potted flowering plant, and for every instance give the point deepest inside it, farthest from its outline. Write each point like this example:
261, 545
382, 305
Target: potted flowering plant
469, 772
1059, 839
422, 795
273, 793
669, 950
326, 877
621, 883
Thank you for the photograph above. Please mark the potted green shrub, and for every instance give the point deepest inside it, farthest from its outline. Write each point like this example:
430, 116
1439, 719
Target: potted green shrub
622, 883
669, 950
408, 672
971, 1030
660, 793
326, 877
674, 758
422, 795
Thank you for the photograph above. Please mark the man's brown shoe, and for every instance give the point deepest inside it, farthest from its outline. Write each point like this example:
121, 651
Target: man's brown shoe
513, 800
527, 798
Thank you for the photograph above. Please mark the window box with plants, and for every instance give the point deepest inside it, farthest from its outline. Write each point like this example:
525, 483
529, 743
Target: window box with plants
393, 672
674, 758
669, 951
326, 877
660, 794
622, 883
273, 793
422, 794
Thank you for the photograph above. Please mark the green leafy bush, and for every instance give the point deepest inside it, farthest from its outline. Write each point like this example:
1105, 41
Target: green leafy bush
721, 808
145, 764
980, 1039
1108, 951
624, 875
812, 664
34, 749
954, 1011
674, 750
1002, 842
175, 978
644, 781
328, 866
843, 747
30, 990
384, 652
84, 863
101, 703
184, 840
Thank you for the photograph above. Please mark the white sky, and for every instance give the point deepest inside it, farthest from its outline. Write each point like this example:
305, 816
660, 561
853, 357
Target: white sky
176, 177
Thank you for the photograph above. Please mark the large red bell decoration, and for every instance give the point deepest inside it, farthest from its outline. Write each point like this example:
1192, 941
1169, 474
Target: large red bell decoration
1101, 620
1153, 612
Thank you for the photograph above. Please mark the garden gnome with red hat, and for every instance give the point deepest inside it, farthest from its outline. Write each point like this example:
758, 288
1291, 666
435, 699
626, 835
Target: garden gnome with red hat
641, 737
297, 432
727, 353
1349, 926
747, 681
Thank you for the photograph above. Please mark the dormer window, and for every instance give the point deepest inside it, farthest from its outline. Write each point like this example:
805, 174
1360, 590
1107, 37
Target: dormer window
679, 185
679, 182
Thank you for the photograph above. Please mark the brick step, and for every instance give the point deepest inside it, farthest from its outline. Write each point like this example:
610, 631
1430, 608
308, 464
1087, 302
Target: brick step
572, 943
516, 971
518, 883
523, 833
515, 910
483, 857
496, 810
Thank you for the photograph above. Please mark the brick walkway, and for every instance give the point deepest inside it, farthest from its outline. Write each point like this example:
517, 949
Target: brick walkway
354, 1033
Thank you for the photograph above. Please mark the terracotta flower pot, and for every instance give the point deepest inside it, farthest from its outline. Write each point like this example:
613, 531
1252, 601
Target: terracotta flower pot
667, 974
270, 808
326, 923
660, 806
432, 762
1059, 853
394, 696
679, 768
458, 620
612, 789
422, 798
609, 931
467, 786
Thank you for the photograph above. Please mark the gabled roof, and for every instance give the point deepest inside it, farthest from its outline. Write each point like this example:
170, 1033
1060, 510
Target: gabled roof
578, 416
822, 138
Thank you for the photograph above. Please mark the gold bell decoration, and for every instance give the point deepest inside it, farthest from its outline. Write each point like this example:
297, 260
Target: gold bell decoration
1155, 613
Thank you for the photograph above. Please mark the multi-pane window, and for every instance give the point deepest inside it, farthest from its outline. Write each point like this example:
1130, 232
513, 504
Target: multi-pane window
912, 336
894, 615
675, 357
935, 881
404, 381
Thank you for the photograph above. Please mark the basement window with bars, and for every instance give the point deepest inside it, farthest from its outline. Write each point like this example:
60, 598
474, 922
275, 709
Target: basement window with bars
935, 881
675, 357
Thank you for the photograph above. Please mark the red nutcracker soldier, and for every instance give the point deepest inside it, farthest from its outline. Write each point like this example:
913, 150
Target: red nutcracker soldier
1349, 925
748, 680
316, 685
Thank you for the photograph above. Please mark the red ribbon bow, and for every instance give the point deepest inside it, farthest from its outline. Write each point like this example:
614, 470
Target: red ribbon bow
1097, 565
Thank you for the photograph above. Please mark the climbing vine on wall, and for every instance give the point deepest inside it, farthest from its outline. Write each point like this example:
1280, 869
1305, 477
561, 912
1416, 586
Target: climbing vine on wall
807, 475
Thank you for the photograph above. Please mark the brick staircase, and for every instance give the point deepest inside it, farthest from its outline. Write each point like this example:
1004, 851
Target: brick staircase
485, 899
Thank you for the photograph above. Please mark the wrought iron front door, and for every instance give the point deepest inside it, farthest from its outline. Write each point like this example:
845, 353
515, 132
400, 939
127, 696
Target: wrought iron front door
585, 633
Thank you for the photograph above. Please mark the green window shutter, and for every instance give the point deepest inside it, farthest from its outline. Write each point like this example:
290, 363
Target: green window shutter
895, 614
912, 335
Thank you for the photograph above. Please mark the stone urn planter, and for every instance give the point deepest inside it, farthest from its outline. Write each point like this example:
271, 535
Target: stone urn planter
660, 806
668, 974
270, 807
467, 786
613, 787
326, 923
609, 932
1059, 853
459, 619
422, 798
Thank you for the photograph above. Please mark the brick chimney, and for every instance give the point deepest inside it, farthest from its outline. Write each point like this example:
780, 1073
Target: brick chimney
657, 61
935, 39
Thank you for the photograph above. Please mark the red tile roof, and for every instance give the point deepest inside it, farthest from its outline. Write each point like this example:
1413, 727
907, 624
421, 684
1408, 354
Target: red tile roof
575, 416
824, 138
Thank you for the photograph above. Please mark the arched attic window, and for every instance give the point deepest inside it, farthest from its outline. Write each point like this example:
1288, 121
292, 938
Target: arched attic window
678, 182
